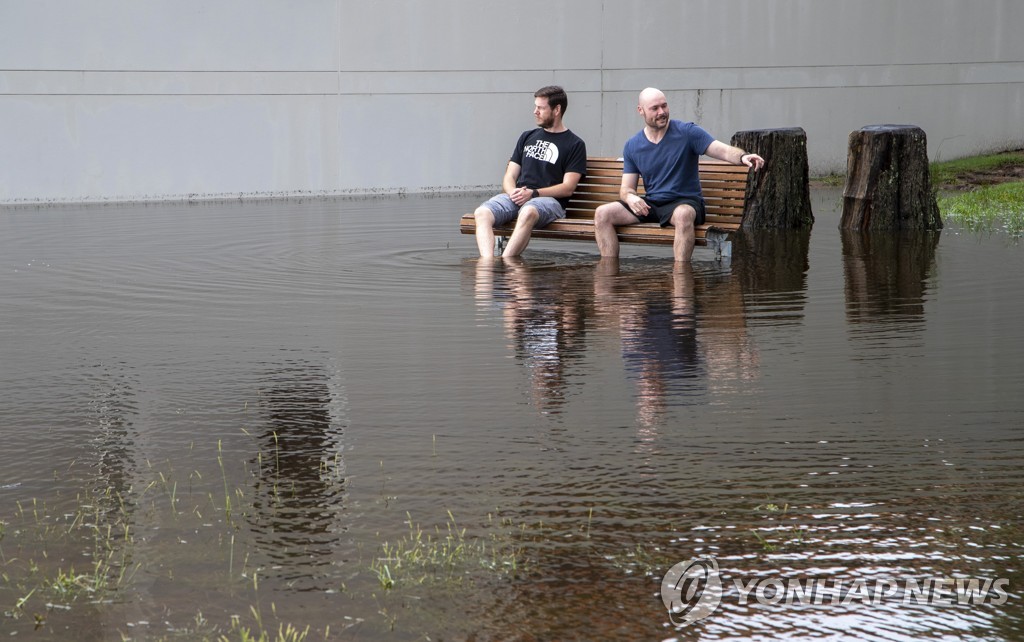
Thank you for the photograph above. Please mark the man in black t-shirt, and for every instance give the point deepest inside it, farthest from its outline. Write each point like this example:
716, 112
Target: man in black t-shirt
546, 165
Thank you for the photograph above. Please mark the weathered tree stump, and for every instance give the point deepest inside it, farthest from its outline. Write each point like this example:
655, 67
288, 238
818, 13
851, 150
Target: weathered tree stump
778, 196
887, 182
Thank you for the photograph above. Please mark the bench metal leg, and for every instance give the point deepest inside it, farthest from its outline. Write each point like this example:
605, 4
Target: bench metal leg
499, 244
720, 243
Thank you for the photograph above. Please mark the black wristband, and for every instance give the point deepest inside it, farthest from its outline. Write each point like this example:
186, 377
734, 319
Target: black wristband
536, 194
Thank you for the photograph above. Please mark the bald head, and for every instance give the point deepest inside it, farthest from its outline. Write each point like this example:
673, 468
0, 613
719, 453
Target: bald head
654, 108
651, 94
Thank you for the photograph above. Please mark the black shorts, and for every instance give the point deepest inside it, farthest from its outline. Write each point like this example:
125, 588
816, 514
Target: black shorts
661, 213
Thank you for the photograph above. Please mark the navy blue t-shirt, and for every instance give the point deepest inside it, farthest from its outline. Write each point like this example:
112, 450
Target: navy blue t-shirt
545, 158
669, 169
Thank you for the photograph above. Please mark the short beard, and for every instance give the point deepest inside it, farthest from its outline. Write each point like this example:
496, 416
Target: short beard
653, 123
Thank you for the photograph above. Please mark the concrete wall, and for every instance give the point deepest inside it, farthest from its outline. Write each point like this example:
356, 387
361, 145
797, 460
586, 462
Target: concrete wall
124, 100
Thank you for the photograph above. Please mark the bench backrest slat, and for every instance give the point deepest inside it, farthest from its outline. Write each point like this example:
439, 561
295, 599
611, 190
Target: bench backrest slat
723, 185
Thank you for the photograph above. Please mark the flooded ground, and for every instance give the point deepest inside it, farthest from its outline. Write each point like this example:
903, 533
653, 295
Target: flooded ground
222, 418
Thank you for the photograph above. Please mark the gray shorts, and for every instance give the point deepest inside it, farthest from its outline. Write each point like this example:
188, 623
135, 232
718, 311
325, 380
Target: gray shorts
505, 211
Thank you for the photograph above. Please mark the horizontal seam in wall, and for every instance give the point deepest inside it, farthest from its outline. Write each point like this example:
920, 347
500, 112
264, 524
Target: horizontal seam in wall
501, 93
538, 70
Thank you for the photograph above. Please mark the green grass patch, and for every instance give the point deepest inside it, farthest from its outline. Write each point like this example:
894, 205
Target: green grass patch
950, 172
833, 180
997, 208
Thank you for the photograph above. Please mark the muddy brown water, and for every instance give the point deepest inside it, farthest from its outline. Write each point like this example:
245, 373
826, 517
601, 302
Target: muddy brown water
275, 412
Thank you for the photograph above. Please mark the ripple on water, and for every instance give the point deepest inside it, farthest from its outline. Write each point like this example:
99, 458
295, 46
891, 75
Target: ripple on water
344, 369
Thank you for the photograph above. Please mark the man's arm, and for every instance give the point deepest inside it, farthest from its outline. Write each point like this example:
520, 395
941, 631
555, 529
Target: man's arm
564, 189
519, 195
508, 183
628, 195
734, 155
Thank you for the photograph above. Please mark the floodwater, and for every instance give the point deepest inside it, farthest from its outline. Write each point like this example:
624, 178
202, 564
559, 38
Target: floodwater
233, 416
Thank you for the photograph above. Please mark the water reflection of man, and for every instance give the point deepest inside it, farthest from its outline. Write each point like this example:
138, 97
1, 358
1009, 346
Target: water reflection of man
657, 321
544, 316
665, 154
546, 165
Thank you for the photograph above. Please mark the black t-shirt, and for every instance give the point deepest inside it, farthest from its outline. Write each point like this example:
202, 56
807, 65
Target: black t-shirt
544, 158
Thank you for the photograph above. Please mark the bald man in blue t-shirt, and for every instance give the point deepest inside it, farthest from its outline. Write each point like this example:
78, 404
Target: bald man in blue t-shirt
665, 153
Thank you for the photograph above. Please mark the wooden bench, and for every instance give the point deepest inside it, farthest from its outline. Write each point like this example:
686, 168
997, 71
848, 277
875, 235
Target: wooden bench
724, 187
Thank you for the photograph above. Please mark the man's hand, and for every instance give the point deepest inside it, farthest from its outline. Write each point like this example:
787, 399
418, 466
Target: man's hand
637, 205
520, 195
735, 155
752, 160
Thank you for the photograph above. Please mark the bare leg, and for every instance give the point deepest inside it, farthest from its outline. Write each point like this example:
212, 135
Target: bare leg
484, 231
608, 306
682, 219
525, 222
682, 289
607, 266
606, 217
484, 286
605, 271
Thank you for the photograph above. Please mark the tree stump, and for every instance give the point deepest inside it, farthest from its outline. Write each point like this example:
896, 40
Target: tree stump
778, 196
888, 186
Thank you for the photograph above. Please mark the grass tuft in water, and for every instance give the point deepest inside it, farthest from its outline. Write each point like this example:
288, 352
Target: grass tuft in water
259, 633
777, 536
444, 556
642, 559
82, 550
997, 208
100, 525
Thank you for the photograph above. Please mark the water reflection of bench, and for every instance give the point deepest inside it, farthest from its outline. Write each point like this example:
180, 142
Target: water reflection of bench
724, 187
